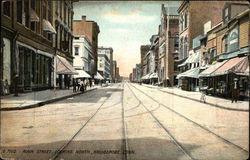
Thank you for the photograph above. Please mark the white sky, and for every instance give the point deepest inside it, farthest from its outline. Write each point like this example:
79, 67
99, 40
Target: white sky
124, 26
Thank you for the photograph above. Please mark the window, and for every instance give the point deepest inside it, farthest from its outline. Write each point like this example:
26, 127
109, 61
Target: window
226, 15
6, 8
212, 53
19, 10
176, 41
77, 38
76, 51
233, 39
185, 20
26, 13
33, 7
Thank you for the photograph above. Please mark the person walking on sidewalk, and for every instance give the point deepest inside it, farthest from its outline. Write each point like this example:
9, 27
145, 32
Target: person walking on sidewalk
74, 85
82, 87
78, 84
235, 90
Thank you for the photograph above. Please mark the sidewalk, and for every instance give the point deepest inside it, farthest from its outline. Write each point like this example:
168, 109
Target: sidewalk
211, 100
37, 99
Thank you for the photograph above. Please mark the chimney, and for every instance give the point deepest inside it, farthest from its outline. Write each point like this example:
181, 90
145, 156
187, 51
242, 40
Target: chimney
84, 18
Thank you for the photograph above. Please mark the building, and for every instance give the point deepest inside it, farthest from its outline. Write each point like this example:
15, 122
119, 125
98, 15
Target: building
193, 15
104, 63
83, 57
28, 46
144, 63
114, 70
109, 52
153, 59
138, 73
168, 46
193, 29
225, 50
117, 74
90, 29
63, 42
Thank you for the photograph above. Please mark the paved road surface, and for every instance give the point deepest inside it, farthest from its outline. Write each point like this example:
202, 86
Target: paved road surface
125, 121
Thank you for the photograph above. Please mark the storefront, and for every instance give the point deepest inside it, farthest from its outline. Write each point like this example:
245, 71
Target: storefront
35, 68
189, 80
220, 76
64, 72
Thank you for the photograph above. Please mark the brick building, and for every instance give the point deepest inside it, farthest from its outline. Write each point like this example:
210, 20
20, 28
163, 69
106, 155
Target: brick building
168, 46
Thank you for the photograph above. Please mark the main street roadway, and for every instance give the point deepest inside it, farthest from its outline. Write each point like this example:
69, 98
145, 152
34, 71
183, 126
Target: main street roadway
125, 121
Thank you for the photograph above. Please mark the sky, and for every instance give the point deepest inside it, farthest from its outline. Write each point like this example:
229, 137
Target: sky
124, 26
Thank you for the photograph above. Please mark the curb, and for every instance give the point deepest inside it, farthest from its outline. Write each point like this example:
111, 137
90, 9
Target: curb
44, 102
212, 104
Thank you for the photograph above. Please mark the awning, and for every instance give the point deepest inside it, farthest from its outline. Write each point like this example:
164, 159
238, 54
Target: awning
211, 69
153, 75
63, 66
146, 76
82, 74
33, 16
193, 58
242, 68
98, 76
192, 73
48, 27
229, 66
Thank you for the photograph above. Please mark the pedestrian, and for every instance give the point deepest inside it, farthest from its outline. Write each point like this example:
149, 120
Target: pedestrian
93, 83
74, 85
90, 84
235, 90
78, 84
82, 86
85, 84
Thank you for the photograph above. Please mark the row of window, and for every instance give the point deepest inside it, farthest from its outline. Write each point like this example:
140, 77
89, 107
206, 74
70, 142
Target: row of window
61, 8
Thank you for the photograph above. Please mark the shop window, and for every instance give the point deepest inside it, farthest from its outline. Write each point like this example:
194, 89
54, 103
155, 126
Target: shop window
6, 8
76, 51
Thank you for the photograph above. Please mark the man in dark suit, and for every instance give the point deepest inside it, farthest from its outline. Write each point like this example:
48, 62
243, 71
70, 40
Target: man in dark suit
235, 90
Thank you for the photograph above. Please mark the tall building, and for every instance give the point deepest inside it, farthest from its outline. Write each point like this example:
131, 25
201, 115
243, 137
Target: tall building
109, 52
168, 46
90, 29
63, 42
104, 63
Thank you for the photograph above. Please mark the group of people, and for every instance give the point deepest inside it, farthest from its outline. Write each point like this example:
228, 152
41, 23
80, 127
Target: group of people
81, 85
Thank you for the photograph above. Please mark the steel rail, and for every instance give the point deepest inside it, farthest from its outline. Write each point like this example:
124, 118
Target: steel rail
163, 127
197, 124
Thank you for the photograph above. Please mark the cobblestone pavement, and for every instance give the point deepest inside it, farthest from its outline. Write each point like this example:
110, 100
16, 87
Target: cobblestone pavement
125, 121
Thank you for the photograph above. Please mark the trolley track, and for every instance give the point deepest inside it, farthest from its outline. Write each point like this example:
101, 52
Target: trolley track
162, 126
59, 151
193, 122
124, 127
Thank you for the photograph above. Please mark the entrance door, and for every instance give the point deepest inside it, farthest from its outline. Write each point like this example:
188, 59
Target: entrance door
27, 69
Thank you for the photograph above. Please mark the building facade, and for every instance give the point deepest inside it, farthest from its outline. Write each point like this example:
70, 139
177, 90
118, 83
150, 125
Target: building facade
27, 43
168, 46
63, 42
144, 64
104, 63
90, 29
109, 52
114, 70
83, 56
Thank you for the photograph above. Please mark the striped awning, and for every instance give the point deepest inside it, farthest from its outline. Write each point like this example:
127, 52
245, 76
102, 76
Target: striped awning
63, 66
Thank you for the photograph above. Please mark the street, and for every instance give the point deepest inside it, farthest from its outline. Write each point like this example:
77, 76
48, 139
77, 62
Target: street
125, 121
